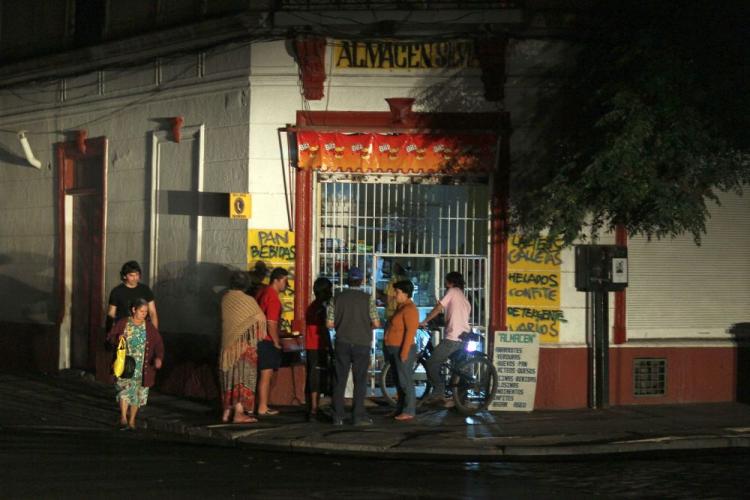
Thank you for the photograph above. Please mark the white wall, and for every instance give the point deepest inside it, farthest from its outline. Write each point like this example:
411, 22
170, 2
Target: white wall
276, 97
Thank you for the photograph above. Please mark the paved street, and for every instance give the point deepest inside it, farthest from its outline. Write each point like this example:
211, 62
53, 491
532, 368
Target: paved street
69, 400
37, 463
58, 440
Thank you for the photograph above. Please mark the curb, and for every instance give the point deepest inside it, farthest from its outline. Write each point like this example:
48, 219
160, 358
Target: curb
505, 452
251, 441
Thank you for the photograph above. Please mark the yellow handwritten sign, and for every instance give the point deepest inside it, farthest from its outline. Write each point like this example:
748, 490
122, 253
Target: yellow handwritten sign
275, 247
404, 55
533, 287
270, 245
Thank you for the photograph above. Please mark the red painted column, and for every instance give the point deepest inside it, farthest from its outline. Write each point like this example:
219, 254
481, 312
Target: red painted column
499, 238
60, 263
303, 245
618, 328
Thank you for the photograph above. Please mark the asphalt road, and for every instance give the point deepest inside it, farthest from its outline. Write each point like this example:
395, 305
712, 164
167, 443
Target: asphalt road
90, 463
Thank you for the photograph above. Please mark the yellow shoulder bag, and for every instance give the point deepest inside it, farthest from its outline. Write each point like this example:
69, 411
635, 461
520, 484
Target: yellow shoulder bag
124, 365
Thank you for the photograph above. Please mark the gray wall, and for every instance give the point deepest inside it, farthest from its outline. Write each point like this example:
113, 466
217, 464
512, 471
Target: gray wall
128, 106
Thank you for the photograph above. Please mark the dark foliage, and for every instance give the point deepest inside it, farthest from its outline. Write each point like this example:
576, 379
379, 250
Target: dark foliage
651, 121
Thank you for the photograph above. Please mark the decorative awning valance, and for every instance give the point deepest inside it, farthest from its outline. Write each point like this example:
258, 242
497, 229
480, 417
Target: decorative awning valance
448, 154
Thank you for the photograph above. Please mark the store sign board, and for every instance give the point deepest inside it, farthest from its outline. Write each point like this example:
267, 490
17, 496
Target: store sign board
401, 55
533, 287
275, 248
403, 153
516, 359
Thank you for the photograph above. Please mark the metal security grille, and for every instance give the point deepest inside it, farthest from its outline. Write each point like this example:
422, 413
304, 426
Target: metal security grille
364, 221
649, 377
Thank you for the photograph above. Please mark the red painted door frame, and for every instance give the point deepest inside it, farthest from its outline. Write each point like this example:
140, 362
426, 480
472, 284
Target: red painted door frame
499, 237
374, 121
70, 183
619, 327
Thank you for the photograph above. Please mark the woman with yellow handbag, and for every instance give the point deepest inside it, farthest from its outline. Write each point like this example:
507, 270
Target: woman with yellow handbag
144, 345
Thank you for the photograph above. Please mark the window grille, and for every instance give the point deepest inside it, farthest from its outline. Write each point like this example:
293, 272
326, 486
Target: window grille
362, 221
649, 377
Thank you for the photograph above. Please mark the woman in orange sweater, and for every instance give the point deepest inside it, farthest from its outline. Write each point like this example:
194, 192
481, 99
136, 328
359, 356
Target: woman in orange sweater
400, 349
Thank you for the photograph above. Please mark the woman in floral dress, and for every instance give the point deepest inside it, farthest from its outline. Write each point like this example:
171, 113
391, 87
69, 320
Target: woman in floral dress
145, 345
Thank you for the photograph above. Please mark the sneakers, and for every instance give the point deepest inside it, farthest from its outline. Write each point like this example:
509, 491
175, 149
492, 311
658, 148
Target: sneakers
338, 421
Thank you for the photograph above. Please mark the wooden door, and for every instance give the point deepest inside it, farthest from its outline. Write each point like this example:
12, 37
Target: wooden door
82, 212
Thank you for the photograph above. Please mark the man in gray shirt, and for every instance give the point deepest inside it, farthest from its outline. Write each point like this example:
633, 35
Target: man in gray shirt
353, 315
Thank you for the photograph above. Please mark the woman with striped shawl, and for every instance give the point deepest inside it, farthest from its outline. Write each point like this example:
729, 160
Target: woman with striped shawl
243, 324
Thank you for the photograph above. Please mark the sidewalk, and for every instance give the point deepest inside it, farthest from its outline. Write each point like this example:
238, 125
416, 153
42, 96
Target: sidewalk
72, 401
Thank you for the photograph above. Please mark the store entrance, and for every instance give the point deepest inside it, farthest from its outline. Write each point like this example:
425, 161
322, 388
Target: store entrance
427, 274
389, 269
391, 227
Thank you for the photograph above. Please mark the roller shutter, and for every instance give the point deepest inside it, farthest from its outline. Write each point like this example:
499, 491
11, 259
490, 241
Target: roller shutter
680, 290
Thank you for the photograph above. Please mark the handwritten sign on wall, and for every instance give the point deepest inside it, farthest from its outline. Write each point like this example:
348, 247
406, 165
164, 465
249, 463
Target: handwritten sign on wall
533, 287
275, 247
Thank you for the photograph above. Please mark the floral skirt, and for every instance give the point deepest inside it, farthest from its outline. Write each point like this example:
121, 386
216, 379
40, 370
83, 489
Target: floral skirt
238, 382
131, 391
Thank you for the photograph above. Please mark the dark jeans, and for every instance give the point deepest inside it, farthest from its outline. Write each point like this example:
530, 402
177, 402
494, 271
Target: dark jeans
317, 371
358, 358
404, 371
441, 353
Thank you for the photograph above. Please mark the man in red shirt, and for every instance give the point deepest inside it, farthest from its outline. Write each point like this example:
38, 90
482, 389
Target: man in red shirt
269, 349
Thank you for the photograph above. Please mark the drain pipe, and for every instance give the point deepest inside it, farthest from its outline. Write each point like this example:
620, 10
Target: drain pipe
27, 150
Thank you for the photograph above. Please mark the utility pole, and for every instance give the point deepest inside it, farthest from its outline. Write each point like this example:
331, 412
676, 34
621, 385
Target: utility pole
600, 269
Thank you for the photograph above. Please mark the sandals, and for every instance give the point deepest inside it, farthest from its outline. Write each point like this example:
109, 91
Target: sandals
268, 413
238, 418
244, 419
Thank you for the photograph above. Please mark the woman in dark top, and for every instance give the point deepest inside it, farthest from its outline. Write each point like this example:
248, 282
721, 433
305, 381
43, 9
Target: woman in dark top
317, 344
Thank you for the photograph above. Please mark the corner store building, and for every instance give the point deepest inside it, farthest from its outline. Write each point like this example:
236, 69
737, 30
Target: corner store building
134, 192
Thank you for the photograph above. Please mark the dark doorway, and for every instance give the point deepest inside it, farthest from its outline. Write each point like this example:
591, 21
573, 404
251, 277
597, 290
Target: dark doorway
82, 195
85, 299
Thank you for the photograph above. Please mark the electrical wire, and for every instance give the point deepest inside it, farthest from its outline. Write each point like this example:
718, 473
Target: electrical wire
123, 71
139, 100
133, 67
248, 39
223, 47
